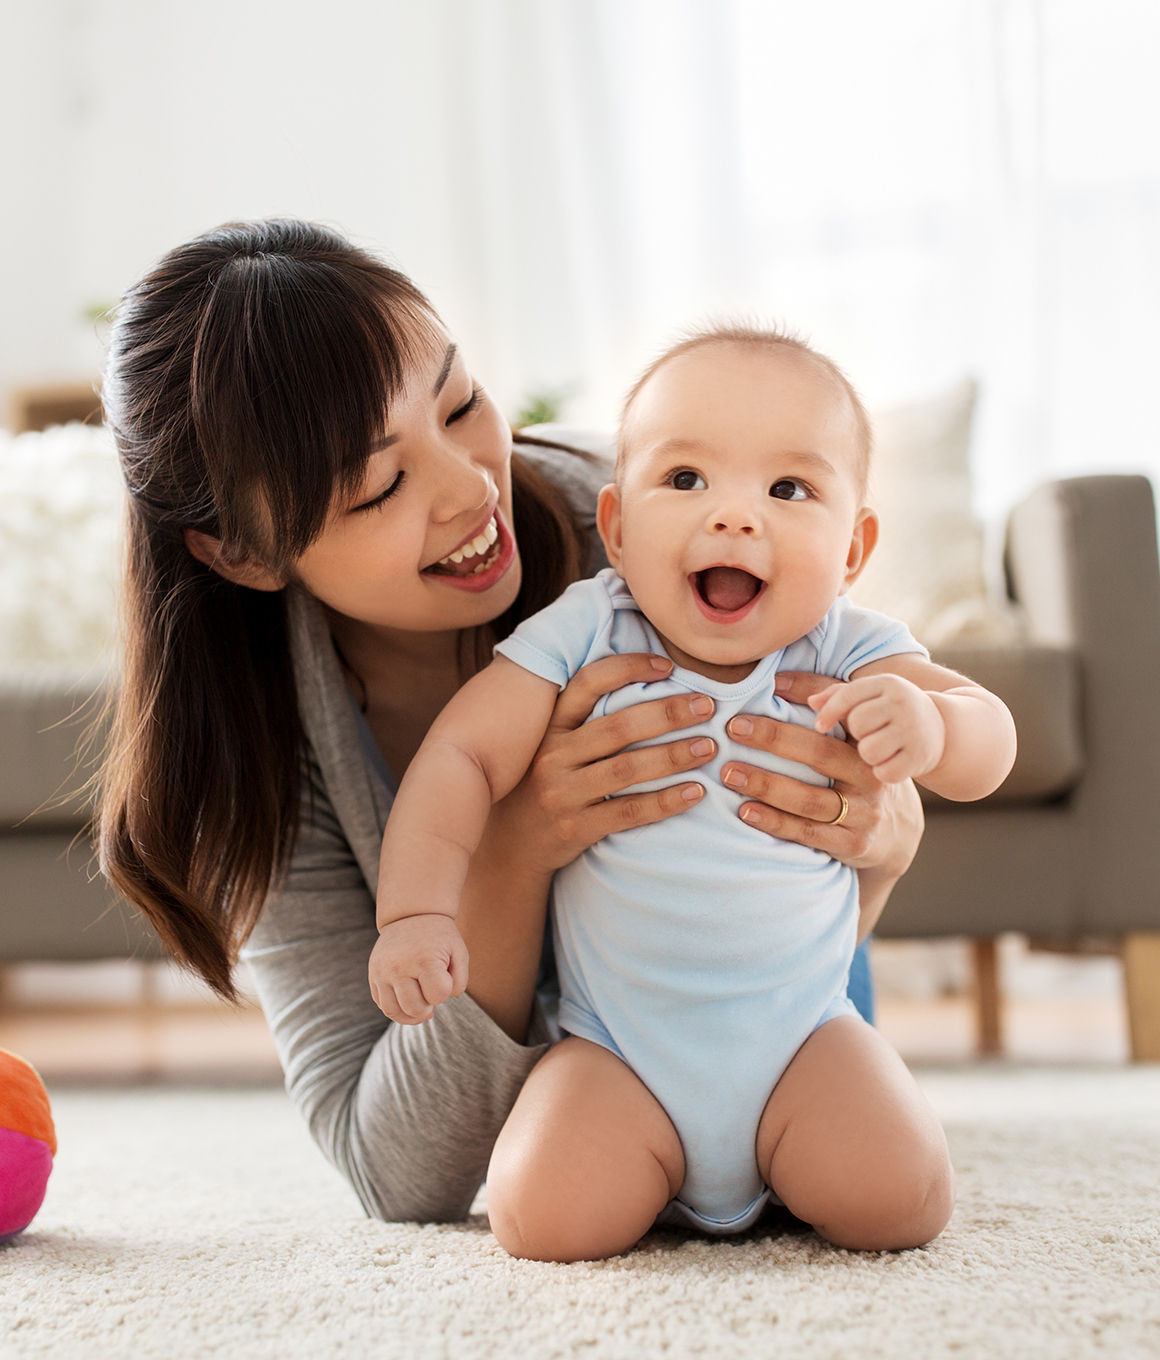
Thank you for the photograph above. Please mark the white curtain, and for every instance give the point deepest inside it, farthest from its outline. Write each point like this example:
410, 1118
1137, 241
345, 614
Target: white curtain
927, 190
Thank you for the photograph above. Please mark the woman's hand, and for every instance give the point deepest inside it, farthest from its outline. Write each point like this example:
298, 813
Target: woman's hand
883, 825
568, 800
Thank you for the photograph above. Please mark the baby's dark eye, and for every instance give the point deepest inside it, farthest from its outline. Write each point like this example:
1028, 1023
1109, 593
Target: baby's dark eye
787, 490
687, 480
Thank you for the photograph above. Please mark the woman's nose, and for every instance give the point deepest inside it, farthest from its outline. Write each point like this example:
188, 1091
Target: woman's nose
463, 485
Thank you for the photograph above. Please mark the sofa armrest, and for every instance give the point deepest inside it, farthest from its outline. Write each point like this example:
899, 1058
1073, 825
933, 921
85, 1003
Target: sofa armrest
1041, 686
1082, 562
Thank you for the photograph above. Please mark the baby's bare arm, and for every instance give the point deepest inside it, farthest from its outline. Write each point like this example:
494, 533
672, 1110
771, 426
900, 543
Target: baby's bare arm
913, 719
477, 750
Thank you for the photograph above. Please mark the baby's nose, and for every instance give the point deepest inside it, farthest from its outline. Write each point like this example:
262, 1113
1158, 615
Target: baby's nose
735, 519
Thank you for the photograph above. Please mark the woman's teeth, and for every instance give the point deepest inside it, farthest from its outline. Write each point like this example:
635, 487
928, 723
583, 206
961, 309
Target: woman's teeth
480, 546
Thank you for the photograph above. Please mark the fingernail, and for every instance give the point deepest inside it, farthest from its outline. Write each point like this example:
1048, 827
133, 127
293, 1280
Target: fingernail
780, 684
691, 793
661, 663
702, 747
750, 814
741, 727
736, 780
702, 705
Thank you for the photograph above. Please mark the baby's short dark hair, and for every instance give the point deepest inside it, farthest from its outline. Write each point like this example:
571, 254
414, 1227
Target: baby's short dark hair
766, 338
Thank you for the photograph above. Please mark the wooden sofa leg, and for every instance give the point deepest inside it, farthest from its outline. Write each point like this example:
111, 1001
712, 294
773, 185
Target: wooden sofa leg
1141, 954
988, 997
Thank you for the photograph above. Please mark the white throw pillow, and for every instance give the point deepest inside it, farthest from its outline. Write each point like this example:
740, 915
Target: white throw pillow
61, 501
928, 566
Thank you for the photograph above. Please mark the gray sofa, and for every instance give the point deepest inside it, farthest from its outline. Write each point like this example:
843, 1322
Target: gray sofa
1063, 851
54, 904
1067, 849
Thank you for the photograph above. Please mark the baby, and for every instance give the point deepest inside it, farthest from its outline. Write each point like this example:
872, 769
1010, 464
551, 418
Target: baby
701, 954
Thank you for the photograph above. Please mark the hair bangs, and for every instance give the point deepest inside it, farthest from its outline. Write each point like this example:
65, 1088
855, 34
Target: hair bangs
296, 364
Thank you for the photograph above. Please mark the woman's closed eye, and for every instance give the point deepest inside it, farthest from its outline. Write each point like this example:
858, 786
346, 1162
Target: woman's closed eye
381, 498
788, 490
471, 404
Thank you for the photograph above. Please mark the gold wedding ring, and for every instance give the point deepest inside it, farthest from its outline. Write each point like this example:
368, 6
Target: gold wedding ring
841, 817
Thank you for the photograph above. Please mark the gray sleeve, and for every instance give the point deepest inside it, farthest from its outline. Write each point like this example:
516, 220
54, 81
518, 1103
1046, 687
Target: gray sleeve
408, 1113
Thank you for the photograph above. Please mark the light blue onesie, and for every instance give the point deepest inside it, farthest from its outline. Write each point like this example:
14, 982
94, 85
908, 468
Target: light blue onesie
698, 950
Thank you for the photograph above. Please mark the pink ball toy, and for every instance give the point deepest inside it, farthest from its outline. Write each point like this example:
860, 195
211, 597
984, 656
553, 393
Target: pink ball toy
27, 1144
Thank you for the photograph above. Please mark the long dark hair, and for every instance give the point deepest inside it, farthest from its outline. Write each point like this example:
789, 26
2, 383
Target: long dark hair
248, 374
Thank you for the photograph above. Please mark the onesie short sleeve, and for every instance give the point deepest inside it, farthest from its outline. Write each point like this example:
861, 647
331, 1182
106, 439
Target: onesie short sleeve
555, 643
850, 637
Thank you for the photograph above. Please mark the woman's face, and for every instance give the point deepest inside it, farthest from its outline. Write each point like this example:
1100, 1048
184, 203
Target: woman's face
437, 486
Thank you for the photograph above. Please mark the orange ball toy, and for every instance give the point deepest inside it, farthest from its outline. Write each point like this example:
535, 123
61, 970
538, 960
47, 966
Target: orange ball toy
27, 1144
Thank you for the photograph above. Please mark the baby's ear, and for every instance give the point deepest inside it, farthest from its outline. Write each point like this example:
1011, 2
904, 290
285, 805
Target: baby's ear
862, 544
608, 522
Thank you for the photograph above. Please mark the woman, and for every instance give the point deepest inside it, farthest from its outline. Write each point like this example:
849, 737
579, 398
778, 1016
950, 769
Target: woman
305, 453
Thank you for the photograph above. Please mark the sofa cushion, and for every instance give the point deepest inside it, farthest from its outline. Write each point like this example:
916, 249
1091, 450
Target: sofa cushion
43, 721
55, 905
1041, 687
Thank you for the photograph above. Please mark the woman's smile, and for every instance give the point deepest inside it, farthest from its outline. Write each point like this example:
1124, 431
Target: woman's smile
481, 560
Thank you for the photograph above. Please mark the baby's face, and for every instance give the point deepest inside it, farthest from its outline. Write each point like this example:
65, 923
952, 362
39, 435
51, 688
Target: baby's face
738, 517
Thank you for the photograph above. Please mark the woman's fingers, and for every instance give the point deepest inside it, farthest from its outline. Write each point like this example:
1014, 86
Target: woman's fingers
827, 755
578, 698
638, 809
565, 801
622, 771
846, 843
783, 793
640, 722
796, 687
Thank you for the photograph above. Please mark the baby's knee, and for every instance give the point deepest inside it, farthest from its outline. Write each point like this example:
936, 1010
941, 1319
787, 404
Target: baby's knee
532, 1223
906, 1205
548, 1209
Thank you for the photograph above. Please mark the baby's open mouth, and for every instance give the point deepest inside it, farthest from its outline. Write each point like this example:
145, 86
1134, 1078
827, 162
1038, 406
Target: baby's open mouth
474, 557
726, 589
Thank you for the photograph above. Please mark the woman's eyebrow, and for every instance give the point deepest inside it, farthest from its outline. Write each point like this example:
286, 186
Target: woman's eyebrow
448, 360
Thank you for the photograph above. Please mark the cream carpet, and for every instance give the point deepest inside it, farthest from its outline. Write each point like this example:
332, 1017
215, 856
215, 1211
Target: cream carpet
203, 1223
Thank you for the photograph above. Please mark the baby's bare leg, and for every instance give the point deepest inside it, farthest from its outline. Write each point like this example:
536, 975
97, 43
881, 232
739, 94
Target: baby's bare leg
585, 1162
851, 1145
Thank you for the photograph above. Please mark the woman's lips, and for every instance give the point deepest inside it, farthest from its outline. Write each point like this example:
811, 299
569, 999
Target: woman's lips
502, 554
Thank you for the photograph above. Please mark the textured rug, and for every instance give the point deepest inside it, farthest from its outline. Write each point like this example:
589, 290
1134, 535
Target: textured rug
204, 1223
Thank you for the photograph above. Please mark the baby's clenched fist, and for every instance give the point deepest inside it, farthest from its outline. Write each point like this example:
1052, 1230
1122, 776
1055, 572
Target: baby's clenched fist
897, 727
418, 962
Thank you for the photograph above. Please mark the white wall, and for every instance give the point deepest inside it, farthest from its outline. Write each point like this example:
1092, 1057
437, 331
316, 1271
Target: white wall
926, 189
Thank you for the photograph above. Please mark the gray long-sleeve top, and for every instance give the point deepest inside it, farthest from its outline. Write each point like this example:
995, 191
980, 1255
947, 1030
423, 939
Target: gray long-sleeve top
408, 1113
